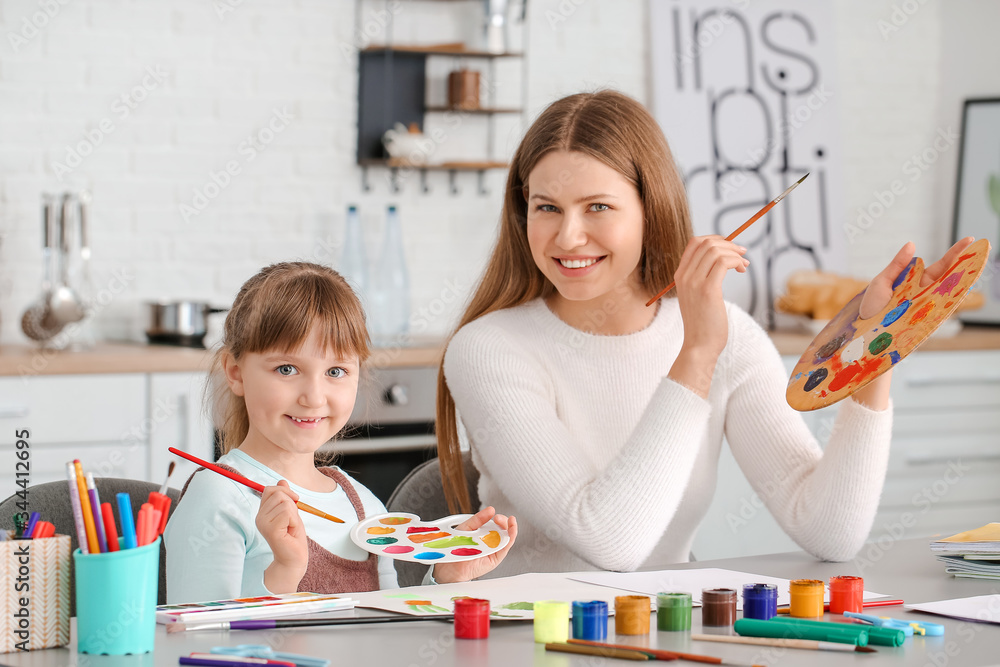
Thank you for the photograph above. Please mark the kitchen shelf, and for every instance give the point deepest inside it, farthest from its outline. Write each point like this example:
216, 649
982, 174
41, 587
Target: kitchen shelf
394, 165
439, 50
479, 110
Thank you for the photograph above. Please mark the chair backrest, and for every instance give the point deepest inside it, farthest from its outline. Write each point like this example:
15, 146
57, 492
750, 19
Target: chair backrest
51, 500
421, 493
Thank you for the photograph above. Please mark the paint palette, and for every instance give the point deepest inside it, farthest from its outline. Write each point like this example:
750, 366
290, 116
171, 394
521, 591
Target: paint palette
850, 352
404, 536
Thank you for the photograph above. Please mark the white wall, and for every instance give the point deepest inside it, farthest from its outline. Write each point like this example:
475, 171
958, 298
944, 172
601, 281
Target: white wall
226, 73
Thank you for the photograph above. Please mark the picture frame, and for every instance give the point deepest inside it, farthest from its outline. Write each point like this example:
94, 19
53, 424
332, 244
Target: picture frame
977, 198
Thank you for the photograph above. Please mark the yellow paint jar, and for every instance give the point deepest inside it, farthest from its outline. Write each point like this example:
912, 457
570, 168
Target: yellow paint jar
551, 621
807, 598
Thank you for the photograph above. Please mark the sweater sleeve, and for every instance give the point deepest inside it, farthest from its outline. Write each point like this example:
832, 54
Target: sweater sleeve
206, 542
823, 499
514, 428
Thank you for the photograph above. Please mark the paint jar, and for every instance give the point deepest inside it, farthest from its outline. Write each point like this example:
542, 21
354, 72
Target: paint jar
673, 611
632, 615
551, 622
846, 594
718, 607
760, 601
807, 598
590, 620
472, 618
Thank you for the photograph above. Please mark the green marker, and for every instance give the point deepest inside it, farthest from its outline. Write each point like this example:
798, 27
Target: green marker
876, 636
847, 634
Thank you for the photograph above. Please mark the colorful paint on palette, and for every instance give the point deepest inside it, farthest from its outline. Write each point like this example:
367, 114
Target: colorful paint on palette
850, 352
406, 537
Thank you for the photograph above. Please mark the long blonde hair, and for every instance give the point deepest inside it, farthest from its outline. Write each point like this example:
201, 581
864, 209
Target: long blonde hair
276, 310
621, 133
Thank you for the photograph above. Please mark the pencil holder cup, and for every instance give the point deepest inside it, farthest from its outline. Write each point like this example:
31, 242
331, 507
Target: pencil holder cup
34, 604
116, 600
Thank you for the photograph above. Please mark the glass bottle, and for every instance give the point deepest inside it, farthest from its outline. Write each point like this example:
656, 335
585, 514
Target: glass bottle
353, 261
391, 286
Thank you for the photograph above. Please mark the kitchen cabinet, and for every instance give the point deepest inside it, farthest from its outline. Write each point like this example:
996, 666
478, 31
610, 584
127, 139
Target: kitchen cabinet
943, 465
117, 424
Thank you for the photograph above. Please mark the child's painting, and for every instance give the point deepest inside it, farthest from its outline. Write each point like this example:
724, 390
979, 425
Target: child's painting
403, 536
851, 352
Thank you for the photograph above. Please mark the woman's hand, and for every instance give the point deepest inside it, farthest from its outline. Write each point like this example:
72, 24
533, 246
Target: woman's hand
446, 573
877, 296
279, 523
704, 264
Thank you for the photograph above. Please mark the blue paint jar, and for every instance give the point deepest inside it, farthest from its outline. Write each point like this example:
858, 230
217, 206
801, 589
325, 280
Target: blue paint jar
760, 601
590, 620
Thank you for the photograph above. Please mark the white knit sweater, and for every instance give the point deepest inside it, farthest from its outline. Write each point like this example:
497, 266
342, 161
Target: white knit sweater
608, 464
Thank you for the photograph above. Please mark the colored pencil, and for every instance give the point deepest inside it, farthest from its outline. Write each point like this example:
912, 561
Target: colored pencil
128, 525
664, 655
268, 624
32, 522
85, 509
739, 231
95, 506
74, 500
783, 643
110, 532
259, 488
635, 653
866, 603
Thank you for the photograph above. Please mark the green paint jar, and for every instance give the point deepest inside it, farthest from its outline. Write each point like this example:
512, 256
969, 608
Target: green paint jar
673, 612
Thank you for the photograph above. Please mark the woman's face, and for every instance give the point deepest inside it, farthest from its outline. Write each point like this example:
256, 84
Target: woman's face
585, 223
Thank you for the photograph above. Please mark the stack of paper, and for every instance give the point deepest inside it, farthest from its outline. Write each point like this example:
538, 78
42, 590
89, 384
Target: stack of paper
241, 609
974, 553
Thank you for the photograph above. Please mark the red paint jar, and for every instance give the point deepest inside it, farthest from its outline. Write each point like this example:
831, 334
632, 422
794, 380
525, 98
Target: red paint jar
472, 618
846, 594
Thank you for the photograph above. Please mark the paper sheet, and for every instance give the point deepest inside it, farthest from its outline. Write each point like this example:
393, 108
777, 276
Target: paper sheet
509, 597
691, 581
985, 608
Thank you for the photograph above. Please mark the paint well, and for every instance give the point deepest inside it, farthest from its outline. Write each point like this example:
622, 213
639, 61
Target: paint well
949, 283
427, 537
853, 351
831, 348
816, 379
453, 541
922, 312
398, 549
881, 342
466, 552
895, 313
429, 555
421, 529
383, 540
394, 520
894, 357
491, 539
380, 530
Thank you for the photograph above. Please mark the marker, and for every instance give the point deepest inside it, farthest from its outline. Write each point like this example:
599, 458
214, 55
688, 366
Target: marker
95, 504
32, 521
88, 513
866, 603
128, 526
74, 499
909, 627
43, 529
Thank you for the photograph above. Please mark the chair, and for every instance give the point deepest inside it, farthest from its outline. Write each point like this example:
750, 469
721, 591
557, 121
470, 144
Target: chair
421, 493
51, 500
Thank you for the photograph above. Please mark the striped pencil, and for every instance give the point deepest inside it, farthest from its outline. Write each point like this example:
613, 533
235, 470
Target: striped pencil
95, 506
88, 513
74, 499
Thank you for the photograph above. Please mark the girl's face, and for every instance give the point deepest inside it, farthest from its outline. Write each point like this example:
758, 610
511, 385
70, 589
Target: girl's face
585, 224
296, 400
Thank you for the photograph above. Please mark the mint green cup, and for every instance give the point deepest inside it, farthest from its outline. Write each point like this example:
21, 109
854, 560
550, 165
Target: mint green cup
116, 600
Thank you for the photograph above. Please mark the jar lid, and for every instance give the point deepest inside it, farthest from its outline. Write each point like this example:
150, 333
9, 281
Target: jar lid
717, 595
760, 591
590, 608
851, 583
806, 584
631, 603
471, 604
673, 599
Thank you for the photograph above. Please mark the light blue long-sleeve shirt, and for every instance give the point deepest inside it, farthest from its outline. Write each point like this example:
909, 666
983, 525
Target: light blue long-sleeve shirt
214, 550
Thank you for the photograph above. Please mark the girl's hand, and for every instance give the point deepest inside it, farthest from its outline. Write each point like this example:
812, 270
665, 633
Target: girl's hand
875, 394
704, 264
447, 573
279, 522
879, 291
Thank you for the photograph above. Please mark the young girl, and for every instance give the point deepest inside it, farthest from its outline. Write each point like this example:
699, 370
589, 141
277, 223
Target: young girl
294, 344
615, 412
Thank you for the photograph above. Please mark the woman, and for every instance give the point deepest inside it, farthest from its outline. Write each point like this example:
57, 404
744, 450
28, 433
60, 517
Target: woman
599, 421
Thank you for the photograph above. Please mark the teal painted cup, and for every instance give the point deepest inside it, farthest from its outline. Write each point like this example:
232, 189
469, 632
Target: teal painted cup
116, 600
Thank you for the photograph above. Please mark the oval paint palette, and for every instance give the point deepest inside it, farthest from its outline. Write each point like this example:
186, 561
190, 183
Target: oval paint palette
851, 352
406, 537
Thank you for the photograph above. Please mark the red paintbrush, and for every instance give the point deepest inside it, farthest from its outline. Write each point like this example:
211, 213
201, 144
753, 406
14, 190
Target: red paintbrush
739, 231
259, 488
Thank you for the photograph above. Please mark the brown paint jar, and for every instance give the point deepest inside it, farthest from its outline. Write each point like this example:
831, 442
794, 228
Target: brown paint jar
718, 607
632, 615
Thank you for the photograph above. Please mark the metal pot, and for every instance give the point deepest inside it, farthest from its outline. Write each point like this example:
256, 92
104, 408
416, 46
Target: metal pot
179, 322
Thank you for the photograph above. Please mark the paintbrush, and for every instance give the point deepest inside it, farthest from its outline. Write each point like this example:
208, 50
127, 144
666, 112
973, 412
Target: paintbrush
739, 231
268, 624
166, 480
634, 653
785, 643
659, 654
259, 488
